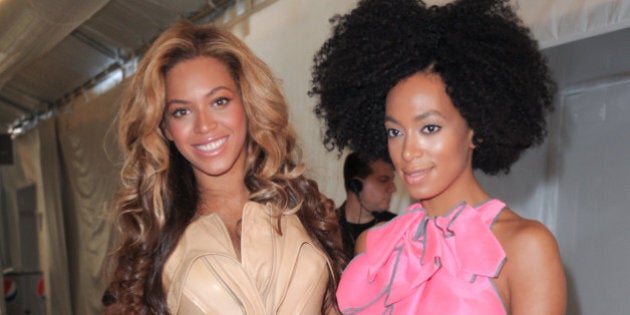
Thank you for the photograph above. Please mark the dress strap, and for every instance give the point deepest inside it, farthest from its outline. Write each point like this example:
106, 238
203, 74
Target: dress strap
490, 210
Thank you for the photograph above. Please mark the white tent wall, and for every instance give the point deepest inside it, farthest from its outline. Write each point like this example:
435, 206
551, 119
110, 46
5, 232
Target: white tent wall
53, 235
287, 35
577, 183
91, 161
561, 21
589, 163
74, 163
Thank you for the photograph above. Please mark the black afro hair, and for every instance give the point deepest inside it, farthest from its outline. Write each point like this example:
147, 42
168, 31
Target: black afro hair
491, 66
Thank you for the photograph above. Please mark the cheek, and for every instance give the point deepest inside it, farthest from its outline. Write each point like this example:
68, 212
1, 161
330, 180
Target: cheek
175, 130
241, 125
465, 142
238, 119
243, 121
435, 147
447, 146
167, 132
394, 147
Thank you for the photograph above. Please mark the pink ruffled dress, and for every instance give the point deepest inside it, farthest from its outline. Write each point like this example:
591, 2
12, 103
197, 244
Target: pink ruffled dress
418, 264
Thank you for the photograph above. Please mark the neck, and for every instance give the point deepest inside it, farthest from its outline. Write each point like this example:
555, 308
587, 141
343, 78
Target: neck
469, 192
355, 212
230, 197
225, 194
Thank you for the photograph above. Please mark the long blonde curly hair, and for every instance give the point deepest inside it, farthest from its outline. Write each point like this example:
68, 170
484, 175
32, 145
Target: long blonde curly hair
158, 196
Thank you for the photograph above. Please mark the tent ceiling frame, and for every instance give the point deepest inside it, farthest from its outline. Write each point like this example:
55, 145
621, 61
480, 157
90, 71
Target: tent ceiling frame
211, 10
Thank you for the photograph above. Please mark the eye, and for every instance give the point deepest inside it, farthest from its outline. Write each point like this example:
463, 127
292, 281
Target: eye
429, 129
221, 101
179, 112
392, 133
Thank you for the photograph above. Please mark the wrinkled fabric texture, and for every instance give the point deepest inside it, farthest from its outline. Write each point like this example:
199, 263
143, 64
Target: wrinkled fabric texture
277, 274
418, 264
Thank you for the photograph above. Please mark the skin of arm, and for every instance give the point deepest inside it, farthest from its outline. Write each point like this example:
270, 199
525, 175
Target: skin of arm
533, 280
360, 245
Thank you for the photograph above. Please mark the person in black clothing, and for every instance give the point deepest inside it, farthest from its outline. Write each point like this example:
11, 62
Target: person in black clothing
369, 187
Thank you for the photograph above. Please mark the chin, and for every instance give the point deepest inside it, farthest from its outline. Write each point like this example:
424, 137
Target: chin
419, 196
215, 170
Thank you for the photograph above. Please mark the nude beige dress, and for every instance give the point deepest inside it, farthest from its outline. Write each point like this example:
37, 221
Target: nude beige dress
277, 274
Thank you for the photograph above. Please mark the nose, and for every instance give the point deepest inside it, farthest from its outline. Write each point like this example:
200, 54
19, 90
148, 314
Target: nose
411, 148
204, 122
391, 188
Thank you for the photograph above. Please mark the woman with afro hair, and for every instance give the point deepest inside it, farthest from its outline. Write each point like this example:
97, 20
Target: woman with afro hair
444, 90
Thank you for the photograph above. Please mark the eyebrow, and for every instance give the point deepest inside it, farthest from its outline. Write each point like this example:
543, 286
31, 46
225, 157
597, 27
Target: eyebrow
418, 117
213, 91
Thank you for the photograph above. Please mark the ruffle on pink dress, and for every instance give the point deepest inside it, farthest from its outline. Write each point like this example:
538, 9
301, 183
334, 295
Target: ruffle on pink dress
418, 264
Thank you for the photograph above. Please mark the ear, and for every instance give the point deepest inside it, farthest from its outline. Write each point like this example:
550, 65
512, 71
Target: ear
471, 139
355, 185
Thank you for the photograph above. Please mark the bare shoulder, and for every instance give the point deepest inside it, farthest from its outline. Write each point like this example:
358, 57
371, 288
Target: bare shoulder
361, 243
533, 274
528, 244
523, 234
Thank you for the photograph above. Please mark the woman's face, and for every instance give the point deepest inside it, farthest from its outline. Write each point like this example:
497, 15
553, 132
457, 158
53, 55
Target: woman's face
429, 142
204, 116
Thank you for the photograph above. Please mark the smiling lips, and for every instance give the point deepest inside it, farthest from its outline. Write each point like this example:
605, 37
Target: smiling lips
416, 176
212, 145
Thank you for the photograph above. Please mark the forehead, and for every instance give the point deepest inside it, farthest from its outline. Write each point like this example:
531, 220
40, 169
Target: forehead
381, 168
417, 94
200, 70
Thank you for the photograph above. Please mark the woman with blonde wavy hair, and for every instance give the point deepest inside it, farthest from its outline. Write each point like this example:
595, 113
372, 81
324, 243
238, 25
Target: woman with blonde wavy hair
215, 213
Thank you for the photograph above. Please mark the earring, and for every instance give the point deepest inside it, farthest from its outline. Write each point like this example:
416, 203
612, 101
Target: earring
478, 141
